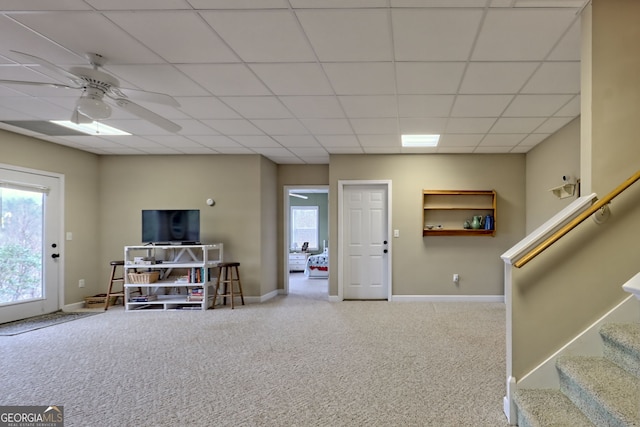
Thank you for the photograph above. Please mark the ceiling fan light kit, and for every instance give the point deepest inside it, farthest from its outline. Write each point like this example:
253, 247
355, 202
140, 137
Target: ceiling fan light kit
92, 106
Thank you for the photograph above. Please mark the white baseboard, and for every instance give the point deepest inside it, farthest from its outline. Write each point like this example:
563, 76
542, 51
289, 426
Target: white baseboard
448, 298
73, 307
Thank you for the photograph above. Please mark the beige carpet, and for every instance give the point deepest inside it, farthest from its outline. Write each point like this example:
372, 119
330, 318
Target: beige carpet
292, 361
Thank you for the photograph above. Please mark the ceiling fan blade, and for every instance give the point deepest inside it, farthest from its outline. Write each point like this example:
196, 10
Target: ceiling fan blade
143, 95
48, 65
21, 82
148, 115
78, 118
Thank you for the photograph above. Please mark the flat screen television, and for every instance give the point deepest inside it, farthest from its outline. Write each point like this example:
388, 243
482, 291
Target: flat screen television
172, 226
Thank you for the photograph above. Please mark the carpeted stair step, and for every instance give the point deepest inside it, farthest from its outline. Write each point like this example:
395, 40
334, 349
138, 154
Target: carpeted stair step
607, 394
621, 344
544, 408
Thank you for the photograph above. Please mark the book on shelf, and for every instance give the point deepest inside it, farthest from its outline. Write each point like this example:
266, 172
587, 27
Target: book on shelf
143, 298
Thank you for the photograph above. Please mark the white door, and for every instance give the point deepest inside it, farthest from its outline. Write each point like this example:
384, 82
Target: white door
365, 242
30, 212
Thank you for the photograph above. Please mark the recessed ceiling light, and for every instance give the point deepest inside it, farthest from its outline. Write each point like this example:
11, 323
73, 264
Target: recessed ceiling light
420, 140
93, 128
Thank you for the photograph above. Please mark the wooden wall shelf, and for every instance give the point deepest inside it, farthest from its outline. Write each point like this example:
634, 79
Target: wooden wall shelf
445, 211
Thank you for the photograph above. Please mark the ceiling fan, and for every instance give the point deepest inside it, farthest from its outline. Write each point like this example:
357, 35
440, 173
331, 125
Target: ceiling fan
98, 86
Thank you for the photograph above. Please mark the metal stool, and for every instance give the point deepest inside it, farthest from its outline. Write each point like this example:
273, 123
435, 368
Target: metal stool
227, 279
112, 280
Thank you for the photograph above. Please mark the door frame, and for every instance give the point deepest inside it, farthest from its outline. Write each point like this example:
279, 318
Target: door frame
60, 237
341, 252
287, 226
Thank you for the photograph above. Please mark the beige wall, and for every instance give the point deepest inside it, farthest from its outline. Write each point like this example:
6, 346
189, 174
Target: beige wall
425, 265
579, 278
81, 175
268, 229
240, 185
546, 163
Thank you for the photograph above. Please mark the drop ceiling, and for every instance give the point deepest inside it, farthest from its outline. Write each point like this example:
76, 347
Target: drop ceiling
298, 80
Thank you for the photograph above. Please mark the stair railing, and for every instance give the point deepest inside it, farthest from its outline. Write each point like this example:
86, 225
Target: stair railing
600, 204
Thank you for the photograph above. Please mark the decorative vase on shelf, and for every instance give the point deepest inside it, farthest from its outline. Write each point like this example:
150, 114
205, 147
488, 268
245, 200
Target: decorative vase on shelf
466, 225
476, 224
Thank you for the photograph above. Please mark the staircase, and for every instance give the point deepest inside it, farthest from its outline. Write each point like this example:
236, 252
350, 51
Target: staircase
594, 391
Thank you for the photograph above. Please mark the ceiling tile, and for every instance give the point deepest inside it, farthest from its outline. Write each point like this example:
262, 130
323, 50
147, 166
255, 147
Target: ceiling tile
429, 77
257, 141
571, 109
293, 79
372, 78
262, 35
533, 139
502, 140
214, 141
554, 124
418, 34
314, 107
536, 105
439, 3
521, 35
35, 5
480, 105
328, 126
257, 107
569, 47
138, 4
225, 79
391, 141
238, 4
338, 140
345, 150
296, 140
497, 77
422, 126
172, 32
470, 125
281, 126
377, 126
304, 152
234, 127
519, 125
555, 77
157, 78
99, 35
333, 4
204, 107
424, 105
460, 140
369, 106
347, 34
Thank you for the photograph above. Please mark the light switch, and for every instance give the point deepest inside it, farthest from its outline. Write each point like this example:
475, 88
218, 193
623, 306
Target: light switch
69, 235
396, 233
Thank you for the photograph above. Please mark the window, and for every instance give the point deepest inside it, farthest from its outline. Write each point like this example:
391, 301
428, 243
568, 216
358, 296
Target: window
304, 227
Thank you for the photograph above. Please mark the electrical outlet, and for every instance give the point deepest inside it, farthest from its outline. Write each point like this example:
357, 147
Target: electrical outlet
81, 283
456, 278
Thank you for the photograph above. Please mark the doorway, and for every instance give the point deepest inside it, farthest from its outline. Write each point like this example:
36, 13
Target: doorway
306, 220
30, 243
364, 222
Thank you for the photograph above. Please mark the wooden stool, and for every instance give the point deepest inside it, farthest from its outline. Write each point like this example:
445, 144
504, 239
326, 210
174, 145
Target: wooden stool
227, 280
112, 280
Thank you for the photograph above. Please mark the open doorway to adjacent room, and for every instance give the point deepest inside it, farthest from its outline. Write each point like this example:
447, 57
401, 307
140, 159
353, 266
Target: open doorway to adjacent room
306, 220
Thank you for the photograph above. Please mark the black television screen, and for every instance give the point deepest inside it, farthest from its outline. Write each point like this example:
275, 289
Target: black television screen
171, 226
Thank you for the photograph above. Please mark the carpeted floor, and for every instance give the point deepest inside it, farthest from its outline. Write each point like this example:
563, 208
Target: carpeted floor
39, 322
295, 360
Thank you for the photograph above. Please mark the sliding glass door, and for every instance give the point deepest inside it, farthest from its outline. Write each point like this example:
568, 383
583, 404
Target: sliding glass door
30, 213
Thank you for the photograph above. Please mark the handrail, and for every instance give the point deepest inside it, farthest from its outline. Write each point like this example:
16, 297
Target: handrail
576, 221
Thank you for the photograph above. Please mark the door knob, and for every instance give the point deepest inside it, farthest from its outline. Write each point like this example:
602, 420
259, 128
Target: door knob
385, 251
385, 242
54, 256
